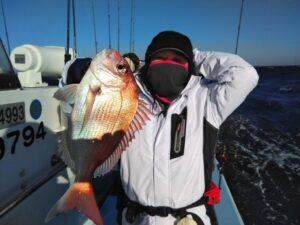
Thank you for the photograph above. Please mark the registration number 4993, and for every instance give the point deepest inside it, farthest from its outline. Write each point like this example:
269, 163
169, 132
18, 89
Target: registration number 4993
11, 114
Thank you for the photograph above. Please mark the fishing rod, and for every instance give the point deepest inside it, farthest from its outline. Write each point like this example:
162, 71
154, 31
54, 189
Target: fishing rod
130, 31
108, 15
239, 28
118, 25
131, 41
133, 25
6, 32
95, 36
74, 30
67, 54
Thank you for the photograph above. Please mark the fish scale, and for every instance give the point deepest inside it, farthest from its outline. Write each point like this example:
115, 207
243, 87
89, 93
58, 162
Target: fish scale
103, 120
78, 112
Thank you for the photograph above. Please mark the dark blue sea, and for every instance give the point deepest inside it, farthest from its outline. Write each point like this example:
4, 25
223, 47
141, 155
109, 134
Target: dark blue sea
261, 140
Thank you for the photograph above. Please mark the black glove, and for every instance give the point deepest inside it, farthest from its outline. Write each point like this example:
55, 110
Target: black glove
77, 70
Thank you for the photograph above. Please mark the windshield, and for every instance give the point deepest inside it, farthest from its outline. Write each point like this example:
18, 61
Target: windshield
5, 65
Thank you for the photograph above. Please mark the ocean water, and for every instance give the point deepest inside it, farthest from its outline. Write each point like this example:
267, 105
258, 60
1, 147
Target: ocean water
261, 140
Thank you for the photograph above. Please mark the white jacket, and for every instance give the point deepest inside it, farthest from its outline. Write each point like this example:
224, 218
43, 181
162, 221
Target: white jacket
148, 174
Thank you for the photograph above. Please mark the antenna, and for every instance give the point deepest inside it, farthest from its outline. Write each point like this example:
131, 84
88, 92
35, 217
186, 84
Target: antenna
74, 30
108, 15
67, 54
95, 37
239, 28
6, 32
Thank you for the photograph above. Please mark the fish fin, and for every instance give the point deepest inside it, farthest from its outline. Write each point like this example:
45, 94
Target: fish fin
89, 102
80, 196
66, 93
139, 120
66, 108
109, 163
137, 123
64, 152
143, 111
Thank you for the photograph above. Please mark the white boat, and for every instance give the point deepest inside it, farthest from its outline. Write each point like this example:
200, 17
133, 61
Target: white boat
32, 176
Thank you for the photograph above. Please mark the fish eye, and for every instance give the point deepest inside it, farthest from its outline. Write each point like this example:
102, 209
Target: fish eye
121, 68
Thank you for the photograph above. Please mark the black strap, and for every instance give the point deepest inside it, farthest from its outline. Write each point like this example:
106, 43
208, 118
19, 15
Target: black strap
134, 208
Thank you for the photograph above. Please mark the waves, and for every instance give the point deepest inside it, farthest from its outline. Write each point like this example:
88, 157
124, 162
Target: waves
265, 132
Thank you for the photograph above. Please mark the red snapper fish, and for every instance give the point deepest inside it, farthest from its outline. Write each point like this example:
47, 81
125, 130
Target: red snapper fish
106, 114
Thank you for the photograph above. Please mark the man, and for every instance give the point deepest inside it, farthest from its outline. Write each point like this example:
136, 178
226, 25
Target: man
167, 168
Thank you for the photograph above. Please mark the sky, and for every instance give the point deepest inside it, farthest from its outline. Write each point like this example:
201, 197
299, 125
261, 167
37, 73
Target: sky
269, 34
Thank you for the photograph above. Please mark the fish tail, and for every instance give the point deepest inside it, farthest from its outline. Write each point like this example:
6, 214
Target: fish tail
80, 196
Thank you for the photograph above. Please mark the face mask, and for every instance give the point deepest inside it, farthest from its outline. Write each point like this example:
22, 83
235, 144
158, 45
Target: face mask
167, 78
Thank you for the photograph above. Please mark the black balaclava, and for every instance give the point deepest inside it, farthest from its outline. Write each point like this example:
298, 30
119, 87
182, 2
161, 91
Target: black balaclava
166, 78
